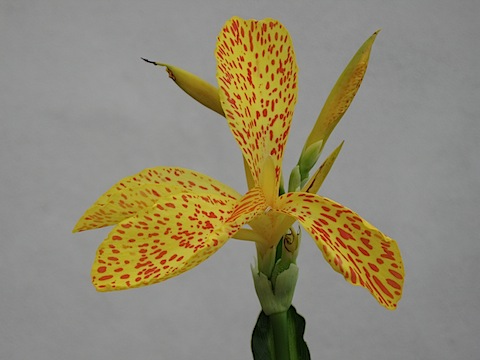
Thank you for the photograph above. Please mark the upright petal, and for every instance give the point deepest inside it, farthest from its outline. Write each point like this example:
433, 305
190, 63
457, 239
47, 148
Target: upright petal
257, 76
142, 190
351, 245
169, 238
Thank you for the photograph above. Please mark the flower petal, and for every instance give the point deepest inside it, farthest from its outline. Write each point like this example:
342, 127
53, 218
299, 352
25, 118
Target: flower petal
142, 190
173, 236
342, 94
351, 245
257, 75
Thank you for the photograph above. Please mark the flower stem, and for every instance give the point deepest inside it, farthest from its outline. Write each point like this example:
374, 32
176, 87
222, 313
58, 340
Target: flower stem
280, 335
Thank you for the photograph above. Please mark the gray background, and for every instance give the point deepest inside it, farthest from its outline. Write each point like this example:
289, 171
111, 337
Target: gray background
80, 110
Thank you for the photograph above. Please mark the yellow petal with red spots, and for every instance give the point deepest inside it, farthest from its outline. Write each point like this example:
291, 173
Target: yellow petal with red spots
257, 76
171, 237
351, 245
342, 94
142, 190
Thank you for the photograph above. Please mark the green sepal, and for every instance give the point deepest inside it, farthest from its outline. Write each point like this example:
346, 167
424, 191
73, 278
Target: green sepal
279, 298
263, 346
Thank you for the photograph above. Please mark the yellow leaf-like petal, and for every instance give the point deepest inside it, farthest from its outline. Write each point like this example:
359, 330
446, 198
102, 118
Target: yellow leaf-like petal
257, 76
169, 238
342, 94
142, 190
199, 89
352, 246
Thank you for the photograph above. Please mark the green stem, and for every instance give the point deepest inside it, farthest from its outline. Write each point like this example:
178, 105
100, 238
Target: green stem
280, 335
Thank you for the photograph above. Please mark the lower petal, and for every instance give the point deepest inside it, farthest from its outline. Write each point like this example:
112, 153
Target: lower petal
351, 245
166, 240
169, 238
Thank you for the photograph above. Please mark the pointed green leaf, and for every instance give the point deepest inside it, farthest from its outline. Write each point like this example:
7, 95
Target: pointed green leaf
262, 339
316, 181
342, 94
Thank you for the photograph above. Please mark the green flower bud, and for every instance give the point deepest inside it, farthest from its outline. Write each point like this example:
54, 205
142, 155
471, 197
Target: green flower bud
295, 179
309, 157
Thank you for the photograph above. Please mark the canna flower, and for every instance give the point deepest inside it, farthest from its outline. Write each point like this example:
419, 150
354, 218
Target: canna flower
168, 220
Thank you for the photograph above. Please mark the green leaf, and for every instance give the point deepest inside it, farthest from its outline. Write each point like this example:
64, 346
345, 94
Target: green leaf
298, 346
342, 94
263, 346
262, 339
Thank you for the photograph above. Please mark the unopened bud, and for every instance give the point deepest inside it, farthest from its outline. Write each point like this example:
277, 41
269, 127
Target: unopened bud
199, 89
295, 179
309, 157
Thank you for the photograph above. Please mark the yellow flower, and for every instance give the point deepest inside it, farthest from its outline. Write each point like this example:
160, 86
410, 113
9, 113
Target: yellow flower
168, 220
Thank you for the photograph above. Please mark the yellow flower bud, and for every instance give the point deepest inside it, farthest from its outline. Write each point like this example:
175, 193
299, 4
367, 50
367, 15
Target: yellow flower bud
199, 89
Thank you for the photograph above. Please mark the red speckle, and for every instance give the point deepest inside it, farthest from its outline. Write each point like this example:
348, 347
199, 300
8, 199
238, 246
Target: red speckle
396, 274
382, 287
331, 218
353, 276
393, 284
366, 242
102, 269
106, 277
352, 250
363, 251
373, 267
344, 234
388, 255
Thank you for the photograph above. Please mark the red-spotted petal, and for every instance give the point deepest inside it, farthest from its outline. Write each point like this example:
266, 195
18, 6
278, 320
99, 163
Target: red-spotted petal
142, 190
351, 245
257, 76
173, 236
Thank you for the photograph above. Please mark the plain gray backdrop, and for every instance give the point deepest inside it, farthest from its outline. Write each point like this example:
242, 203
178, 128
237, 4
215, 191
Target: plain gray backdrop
80, 110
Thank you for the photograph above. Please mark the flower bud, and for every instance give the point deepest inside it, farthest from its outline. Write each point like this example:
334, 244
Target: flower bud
199, 89
309, 157
295, 179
